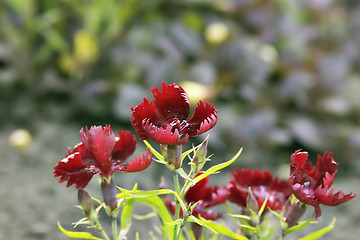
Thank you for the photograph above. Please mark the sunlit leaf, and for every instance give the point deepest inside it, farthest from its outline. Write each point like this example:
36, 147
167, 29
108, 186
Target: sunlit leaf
156, 153
83, 235
321, 232
218, 228
159, 207
298, 226
126, 216
145, 194
216, 168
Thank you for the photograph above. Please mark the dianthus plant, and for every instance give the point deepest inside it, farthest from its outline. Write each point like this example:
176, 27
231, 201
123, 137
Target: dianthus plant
254, 204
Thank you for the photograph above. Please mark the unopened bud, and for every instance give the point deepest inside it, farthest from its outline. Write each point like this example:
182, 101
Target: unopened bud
173, 155
292, 212
251, 202
108, 189
86, 202
200, 156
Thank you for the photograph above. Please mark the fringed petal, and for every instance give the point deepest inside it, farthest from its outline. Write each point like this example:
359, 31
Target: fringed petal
124, 147
164, 136
74, 170
171, 102
203, 119
142, 113
140, 163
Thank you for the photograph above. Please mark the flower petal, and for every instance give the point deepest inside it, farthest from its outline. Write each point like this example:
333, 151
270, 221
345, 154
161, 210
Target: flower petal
326, 165
80, 148
100, 143
140, 163
171, 102
142, 113
74, 170
331, 199
124, 147
203, 119
164, 136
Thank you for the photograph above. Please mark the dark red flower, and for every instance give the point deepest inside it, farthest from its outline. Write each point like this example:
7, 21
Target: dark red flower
100, 152
205, 196
311, 185
262, 184
164, 120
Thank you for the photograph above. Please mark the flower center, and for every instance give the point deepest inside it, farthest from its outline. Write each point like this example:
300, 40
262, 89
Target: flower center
179, 125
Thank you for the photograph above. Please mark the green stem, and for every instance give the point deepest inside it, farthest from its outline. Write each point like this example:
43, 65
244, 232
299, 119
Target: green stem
177, 209
98, 227
114, 227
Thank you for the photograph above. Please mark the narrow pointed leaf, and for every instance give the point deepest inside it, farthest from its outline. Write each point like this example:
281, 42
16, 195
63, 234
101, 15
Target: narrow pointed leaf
218, 228
297, 227
156, 153
218, 167
145, 194
321, 232
126, 218
82, 235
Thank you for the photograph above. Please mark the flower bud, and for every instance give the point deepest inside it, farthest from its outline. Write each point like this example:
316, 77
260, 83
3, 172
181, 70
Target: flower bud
200, 156
292, 212
109, 193
86, 202
251, 202
173, 155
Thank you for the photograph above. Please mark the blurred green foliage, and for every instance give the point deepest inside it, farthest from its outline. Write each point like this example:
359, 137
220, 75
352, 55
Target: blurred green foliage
283, 74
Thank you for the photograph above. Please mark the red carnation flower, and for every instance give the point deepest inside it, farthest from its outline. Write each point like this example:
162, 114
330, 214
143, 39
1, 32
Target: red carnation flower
263, 185
205, 196
100, 152
311, 185
164, 120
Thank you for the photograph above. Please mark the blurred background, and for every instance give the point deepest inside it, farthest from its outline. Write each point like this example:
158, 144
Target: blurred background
283, 75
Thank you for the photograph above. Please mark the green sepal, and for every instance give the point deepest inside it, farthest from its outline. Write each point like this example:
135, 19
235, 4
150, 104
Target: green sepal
216, 168
71, 234
321, 232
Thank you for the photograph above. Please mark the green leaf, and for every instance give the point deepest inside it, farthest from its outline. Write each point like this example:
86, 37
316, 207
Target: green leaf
159, 207
83, 235
240, 216
156, 153
321, 232
144, 217
218, 228
183, 174
298, 226
145, 194
216, 168
262, 208
187, 153
126, 218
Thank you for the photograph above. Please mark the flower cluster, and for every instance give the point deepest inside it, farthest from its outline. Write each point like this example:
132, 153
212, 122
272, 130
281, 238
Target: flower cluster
165, 120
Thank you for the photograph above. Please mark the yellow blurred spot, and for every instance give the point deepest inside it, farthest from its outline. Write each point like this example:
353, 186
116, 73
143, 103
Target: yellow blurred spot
268, 54
85, 47
196, 91
216, 33
20, 138
66, 63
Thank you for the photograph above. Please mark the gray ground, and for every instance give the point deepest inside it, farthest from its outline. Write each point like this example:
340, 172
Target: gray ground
31, 200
